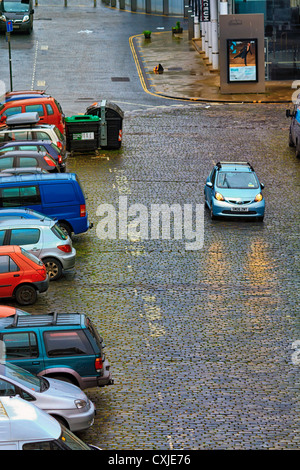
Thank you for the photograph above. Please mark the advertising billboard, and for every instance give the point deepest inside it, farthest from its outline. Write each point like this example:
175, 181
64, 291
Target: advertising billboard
242, 60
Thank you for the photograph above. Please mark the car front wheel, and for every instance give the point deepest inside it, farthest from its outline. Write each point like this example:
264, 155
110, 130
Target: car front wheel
26, 295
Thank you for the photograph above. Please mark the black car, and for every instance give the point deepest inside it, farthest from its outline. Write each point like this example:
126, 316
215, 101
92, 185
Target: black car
20, 12
37, 146
25, 159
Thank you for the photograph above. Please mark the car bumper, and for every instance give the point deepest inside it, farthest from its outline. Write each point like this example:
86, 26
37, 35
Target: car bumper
68, 261
98, 381
22, 26
226, 209
78, 419
42, 286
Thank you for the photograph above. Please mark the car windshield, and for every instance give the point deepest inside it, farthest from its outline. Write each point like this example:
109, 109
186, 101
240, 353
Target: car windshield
237, 180
70, 441
25, 378
8, 6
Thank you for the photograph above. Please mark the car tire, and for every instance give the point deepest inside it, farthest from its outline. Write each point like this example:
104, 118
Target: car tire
26, 294
53, 268
66, 228
260, 218
212, 216
291, 142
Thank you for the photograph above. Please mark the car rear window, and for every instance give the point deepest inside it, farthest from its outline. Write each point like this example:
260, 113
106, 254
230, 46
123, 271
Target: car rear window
32, 258
58, 232
67, 343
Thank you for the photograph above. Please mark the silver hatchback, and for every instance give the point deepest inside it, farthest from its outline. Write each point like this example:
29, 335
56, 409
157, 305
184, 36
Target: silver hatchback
44, 239
67, 403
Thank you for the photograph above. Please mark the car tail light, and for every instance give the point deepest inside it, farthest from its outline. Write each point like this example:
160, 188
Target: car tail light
59, 144
82, 210
59, 159
49, 161
65, 248
98, 364
42, 271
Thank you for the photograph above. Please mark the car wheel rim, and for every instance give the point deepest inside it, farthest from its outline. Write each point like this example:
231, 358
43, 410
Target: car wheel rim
26, 295
52, 269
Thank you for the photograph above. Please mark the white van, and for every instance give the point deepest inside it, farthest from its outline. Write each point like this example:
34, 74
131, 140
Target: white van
23, 426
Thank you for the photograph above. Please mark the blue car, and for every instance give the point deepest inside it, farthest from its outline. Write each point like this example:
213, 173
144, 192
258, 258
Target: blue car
233, 190
36, 146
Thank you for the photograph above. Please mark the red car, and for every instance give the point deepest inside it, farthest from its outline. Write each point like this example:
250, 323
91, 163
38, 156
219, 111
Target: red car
22, 275
6, 311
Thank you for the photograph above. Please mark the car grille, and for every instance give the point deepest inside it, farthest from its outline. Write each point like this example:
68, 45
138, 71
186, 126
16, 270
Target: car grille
239, 213
234, 201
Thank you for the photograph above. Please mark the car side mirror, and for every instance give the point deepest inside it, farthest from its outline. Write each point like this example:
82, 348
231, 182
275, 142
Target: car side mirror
209, 184
262, 185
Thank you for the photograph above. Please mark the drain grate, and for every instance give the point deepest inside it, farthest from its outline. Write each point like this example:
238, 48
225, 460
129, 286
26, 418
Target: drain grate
120, 79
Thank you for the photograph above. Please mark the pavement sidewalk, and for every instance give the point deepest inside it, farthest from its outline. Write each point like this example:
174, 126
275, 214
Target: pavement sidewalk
187, 74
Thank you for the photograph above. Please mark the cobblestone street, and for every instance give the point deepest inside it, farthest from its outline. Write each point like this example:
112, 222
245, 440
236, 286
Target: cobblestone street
200, 342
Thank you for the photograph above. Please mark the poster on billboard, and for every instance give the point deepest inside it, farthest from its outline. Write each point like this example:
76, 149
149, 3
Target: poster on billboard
242, 60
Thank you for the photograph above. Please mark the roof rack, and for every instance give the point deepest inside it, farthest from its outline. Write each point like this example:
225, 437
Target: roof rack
219, 164
43, 319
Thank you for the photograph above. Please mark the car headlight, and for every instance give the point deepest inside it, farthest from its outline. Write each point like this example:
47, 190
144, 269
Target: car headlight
219, 197
3, 18
258, 197
80, 403
25, 18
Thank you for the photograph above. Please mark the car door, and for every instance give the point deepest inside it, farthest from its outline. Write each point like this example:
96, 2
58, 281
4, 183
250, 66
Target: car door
209, 190
22, 349
31, 239
10, 275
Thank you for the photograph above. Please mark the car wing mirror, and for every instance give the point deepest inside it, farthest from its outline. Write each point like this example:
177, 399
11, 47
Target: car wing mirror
262, 185
209, 184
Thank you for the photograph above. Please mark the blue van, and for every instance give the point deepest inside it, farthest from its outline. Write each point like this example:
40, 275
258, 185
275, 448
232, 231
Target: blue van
57, 195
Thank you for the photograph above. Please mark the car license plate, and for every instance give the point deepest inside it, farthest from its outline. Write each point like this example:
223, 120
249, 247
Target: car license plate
239, 209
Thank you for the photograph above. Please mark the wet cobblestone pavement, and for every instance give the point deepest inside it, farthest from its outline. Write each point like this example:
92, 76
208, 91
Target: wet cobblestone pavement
200, 342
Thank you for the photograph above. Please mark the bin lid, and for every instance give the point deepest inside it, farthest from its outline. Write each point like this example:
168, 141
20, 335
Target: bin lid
108, 105
82, 117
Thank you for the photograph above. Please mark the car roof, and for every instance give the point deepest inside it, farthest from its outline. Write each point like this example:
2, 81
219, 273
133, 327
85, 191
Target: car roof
37, 177
234, 166
23, 153
43, 319
10, 249
24, 142
6, 310
22, 212
23, 421
25, 96
39, 99
20, 222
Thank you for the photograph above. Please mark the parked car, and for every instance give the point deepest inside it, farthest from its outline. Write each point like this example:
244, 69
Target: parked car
24, 426
64, 346
6, 311
64, 401
47, 107
24, 95
28, 158
294, 130
233, 190
22, 275
39, 146
57, 195
19, 12
42, 238
25, 126
15, 93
